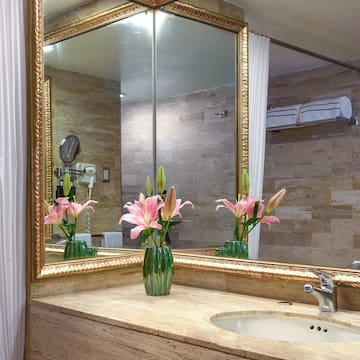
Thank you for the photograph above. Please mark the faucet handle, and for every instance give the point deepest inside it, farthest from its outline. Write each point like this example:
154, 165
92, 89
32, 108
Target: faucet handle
327, 284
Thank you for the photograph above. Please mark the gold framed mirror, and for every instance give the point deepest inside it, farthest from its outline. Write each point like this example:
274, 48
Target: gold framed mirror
41, 120
39, 178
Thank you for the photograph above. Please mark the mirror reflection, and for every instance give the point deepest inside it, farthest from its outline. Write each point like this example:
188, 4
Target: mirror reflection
194, 124
103, 93
313, 152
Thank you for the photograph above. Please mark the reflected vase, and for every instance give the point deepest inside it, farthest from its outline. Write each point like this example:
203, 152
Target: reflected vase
158, 270
76, 249
234, 248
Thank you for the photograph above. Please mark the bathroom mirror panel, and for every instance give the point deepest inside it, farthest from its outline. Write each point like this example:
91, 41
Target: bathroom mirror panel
195, 125
317, 163
241, 111
90, 76
103, 79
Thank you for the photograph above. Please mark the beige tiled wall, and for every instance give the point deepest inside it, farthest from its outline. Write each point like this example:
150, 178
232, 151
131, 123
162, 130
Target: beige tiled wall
319, 165
197, 149
195, 146
89, 107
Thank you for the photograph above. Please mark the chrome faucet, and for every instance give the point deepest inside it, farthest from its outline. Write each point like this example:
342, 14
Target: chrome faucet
326, 294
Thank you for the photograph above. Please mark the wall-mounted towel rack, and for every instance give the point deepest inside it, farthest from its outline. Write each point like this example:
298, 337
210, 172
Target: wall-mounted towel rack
312, 113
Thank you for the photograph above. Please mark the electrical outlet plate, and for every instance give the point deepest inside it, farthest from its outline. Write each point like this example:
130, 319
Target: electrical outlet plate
85, 177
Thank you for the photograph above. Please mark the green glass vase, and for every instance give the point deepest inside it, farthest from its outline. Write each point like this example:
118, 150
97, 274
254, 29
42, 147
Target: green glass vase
237, 248
233, 248
158, 270
76, 249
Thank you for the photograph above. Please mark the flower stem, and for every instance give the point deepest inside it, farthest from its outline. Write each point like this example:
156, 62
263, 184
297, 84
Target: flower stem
237, 228
154, 240
162, 239
244, 229
65, 233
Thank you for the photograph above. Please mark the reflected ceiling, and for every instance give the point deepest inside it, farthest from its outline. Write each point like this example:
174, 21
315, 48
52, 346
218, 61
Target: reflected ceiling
122, 52
54, 8
328, 27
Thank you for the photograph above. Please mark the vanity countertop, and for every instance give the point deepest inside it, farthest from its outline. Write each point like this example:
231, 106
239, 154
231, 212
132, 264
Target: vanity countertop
185, 315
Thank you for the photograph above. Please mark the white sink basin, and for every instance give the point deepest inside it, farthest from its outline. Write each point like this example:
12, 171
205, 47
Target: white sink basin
280, 326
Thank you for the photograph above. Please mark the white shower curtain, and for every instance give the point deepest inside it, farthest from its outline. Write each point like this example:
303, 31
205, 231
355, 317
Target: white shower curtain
259, 48
12, 179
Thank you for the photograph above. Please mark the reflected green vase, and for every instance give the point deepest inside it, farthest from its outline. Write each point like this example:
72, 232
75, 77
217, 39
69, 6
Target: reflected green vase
233, 248
158, 270
76, 249
237, 248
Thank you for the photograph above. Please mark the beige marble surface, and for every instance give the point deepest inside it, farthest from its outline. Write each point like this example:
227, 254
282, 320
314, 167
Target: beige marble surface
185, 316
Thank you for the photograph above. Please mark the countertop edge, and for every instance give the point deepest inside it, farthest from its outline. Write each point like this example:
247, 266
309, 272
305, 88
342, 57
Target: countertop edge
152, 331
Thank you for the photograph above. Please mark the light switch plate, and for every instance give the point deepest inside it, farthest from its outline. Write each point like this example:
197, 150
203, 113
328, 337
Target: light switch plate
106, 175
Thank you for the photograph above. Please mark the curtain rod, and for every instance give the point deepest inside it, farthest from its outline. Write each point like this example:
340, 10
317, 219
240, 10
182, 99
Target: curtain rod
310, 53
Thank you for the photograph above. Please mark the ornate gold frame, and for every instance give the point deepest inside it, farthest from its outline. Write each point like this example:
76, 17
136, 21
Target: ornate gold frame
36, 145
93, 22
38, 115
154, 3
47, 149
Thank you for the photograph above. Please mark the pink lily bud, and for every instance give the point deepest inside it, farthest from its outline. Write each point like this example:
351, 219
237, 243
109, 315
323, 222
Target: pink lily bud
161, 180
170, 204
148, 186
245, 183
67, 184
275, 201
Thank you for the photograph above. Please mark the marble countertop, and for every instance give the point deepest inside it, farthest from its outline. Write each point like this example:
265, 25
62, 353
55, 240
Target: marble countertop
185, 315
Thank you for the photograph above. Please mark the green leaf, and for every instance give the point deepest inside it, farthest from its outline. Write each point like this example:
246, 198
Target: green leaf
146, 233
256, 207
175, 222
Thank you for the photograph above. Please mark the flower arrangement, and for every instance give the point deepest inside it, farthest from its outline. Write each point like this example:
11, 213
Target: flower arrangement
248, 212
152, 214
64, 212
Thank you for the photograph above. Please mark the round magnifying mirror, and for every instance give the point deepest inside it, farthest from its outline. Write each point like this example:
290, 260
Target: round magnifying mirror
69, 149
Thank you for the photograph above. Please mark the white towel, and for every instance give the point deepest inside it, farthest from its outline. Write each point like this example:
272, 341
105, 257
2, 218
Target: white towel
113, 239
326, 109
282, 116
84, 237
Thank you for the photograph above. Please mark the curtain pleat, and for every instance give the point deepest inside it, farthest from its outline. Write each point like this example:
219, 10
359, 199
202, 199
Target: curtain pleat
12, 179
259, 49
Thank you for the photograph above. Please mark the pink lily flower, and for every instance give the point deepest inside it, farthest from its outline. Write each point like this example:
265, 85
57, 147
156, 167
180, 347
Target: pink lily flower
172, 205
179, 206
244, 206
143, 214
75, 209
268, 220
238, 209
63, 202
250, 206
55, 215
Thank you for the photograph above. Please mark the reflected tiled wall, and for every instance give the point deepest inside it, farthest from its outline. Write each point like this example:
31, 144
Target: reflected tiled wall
320, 167
89, 107
196, 147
